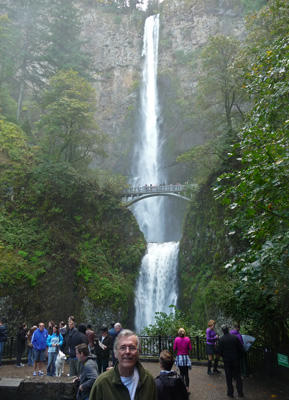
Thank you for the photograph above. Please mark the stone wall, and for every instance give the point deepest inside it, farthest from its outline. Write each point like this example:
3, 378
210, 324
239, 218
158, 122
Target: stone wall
18, 389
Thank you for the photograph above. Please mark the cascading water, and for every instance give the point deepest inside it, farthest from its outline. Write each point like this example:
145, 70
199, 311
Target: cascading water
156, 288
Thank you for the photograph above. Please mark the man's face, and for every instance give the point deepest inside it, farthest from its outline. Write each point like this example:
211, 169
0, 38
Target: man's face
79, 356
41, 326
71, 324
127, 352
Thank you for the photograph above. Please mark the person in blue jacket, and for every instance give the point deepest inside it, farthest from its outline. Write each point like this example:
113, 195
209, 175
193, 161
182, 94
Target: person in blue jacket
53, 342
38, 341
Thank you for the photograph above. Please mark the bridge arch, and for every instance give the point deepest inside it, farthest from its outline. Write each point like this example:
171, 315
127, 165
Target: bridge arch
132, 195
146, 196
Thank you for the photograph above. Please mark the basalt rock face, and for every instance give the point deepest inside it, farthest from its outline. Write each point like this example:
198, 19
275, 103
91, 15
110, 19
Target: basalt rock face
115, 41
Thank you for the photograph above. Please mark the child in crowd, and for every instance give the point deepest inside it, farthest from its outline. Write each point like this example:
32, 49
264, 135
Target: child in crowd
53, 342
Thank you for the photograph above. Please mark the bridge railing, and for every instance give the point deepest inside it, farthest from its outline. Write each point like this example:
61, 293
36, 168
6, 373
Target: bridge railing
134, 190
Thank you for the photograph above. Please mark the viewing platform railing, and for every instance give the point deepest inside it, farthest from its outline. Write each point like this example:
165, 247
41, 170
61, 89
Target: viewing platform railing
259, 358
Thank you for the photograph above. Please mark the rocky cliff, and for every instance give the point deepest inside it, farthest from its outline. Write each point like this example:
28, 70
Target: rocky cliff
115, 40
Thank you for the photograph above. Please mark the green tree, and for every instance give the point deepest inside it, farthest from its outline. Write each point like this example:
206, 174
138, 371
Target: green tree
28, 18
68, 128
65, 46
168, 324
220, 95
6, 45
258, 191
219, 108
8, 50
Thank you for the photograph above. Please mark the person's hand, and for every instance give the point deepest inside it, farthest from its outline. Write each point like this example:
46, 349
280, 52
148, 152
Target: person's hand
81, 388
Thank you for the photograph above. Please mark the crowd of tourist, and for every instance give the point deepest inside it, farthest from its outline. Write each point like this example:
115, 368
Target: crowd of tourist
126, 378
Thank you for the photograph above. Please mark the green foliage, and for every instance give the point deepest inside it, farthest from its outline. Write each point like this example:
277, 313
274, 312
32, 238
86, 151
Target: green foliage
168, 324
8, 107
61, 233
165, 44
117, 19
253, 5
64, 45
237, 251
7, 45
220, 97
28, 50
13, 140
68, 125
183, 58
218, 107
259, 191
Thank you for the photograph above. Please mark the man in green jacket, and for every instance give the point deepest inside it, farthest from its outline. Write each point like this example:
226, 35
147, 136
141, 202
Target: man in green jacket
127, 380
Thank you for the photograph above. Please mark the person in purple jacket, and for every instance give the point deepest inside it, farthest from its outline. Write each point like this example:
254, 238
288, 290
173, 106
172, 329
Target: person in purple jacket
38, 341
211, 351
244, 367
236, 331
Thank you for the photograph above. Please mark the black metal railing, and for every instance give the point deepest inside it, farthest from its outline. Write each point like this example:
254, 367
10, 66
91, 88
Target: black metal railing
151, 346
259, 358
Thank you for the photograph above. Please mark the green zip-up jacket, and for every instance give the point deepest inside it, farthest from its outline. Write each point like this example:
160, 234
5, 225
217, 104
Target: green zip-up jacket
108, 386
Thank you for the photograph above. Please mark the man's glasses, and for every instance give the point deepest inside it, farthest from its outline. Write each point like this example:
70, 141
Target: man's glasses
132, 349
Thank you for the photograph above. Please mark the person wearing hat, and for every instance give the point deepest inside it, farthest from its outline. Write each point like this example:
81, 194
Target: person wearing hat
103, 346
231, 350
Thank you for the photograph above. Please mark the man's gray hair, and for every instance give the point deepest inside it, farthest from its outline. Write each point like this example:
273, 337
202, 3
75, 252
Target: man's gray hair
124, 333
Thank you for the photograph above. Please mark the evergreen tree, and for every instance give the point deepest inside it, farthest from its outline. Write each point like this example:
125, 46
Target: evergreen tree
66, 49
28, 17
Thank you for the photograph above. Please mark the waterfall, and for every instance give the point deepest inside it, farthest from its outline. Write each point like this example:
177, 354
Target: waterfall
156, 288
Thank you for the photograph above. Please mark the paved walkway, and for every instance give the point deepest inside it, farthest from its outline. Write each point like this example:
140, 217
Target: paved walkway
202, 385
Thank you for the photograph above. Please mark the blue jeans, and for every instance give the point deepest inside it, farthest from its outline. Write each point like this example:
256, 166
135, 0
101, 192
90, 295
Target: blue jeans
2, 344
51, 363
30, 355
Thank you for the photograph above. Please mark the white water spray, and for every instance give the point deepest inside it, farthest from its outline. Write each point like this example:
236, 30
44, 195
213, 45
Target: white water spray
157, 284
